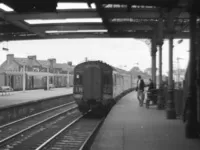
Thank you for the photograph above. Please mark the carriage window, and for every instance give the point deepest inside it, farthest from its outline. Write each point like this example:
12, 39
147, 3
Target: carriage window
114, 80
78, 78
107, 79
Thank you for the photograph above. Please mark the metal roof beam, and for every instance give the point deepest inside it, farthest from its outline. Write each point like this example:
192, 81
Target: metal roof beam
103, 15
20, 24
58, 15
140, 34
10, 27
91, 26
70, 26
134, 2
110, 13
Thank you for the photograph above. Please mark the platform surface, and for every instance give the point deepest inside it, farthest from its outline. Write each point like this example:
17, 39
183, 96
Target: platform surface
31, 95
130, 127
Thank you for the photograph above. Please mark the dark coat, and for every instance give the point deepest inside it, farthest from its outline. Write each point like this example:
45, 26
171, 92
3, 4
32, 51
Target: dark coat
141, 85
151, 86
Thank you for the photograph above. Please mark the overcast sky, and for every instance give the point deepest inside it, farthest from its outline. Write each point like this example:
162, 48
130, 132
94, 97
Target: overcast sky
117, 52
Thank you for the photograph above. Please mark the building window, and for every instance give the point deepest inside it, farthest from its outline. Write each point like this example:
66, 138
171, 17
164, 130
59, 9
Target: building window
36, 69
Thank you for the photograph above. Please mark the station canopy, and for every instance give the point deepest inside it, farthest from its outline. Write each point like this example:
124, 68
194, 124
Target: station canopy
51, 19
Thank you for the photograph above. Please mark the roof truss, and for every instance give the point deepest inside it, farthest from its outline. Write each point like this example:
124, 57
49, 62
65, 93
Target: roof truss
122, 18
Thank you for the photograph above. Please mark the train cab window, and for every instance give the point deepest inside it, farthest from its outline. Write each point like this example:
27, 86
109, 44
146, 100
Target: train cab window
78, 78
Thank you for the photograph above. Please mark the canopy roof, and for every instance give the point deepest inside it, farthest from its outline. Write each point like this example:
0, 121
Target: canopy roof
108, 18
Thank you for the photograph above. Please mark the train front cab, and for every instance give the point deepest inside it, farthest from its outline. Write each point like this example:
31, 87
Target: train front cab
97, 89
78, 92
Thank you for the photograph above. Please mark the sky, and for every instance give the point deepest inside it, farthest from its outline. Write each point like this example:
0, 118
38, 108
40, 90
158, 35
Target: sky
123, 53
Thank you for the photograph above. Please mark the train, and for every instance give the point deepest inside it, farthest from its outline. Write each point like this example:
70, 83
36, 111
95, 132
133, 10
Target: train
34, 80
97, 86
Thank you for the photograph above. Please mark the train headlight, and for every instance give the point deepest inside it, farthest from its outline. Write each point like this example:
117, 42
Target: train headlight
78, 96
106, 96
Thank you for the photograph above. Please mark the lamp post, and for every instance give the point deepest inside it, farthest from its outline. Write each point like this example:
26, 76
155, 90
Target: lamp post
47, 78
68, 79
24, 78
178, 71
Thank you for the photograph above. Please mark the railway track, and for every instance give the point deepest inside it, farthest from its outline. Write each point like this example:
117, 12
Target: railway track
19, 128
34, 115
77, 135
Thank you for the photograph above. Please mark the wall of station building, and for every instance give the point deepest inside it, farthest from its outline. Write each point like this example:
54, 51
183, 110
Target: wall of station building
36, 73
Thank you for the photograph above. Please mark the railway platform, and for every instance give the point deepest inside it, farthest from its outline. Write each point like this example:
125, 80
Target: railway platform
129, 127
21, 104
18, 97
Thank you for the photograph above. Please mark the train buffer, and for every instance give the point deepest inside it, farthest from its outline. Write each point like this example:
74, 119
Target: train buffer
5, 90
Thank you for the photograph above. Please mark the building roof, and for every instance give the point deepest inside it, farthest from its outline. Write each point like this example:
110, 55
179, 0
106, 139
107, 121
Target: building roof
21, 61
25, 61
65, 67
44, 63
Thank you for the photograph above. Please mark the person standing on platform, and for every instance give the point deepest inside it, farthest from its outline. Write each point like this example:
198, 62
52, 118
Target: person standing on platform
150, 85
140, 90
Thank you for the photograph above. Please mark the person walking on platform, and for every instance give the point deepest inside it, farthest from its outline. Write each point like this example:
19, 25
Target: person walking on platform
140, 90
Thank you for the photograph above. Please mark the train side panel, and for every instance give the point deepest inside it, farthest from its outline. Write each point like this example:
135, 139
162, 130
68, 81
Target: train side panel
120, 83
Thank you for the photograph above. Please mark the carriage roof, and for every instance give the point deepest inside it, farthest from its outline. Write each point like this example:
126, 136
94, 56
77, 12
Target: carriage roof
101, 63
81, 65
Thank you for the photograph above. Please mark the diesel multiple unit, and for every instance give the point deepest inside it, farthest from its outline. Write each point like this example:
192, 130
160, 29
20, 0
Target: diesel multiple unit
97, 84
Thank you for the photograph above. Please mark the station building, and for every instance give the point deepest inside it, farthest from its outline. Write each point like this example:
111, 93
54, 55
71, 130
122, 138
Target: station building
11, 72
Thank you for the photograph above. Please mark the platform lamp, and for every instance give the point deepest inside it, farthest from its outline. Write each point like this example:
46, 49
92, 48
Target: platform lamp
5, 48
178, 42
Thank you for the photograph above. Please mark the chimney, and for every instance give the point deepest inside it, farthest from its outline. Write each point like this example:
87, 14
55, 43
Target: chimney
10, 58
52, 62
69, 63
33, 57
